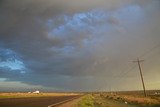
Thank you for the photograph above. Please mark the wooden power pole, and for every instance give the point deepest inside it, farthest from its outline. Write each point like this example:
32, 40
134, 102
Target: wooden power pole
141, 74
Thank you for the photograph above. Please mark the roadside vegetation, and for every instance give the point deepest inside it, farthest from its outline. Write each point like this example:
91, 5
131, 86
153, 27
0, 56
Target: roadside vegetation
116, 100
86, 101
136, 99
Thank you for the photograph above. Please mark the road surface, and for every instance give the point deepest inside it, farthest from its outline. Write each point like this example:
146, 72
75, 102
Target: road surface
33, 102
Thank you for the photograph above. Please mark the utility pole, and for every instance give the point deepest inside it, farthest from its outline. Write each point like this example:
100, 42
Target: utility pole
141, 74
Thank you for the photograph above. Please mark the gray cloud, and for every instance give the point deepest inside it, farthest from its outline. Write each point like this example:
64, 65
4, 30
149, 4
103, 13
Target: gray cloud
76, 44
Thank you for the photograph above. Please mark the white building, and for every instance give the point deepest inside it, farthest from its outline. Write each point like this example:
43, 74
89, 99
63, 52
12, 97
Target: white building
36, 92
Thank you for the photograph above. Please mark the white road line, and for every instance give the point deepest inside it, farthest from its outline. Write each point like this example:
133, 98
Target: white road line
52, 105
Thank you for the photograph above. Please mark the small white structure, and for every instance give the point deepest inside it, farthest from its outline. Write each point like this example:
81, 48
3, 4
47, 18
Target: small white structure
156, 93
126, 102
36, 92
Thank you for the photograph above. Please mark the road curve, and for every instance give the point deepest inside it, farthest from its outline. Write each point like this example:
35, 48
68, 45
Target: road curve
34, 102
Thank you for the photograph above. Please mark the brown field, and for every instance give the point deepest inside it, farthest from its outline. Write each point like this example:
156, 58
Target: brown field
25, 95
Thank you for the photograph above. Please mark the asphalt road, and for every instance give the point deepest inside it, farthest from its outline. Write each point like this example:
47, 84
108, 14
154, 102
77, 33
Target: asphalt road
33, 102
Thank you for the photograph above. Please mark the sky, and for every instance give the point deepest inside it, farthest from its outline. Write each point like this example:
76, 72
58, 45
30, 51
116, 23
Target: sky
79, 45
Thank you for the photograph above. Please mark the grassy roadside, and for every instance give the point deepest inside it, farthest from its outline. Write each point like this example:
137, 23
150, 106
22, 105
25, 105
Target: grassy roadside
96, 100
86, 101
135, 99
101, 101
107, 100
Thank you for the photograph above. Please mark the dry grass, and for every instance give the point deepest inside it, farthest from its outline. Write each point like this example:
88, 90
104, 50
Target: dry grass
134, 99
141, 100
25, 95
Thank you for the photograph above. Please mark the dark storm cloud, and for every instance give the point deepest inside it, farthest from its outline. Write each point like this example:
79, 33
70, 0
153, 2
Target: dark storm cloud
74, 44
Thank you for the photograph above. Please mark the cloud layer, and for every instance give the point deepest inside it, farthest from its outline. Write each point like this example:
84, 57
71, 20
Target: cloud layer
77, 45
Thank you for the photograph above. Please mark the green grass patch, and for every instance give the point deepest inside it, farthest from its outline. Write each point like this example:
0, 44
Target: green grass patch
86, 101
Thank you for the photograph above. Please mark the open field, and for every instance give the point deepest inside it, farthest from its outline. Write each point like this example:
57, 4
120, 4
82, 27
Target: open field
26, 95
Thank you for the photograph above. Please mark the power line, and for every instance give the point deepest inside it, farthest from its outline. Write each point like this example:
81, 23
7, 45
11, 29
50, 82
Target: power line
144, 54
125, 72
150, 50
